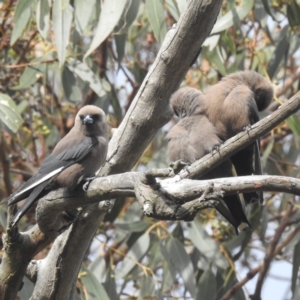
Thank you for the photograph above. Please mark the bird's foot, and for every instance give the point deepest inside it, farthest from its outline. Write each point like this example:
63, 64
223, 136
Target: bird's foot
87, 180
178, 165
247, 128
216, 147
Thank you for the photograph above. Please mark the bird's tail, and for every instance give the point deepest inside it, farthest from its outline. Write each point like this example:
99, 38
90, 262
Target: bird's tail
29, 202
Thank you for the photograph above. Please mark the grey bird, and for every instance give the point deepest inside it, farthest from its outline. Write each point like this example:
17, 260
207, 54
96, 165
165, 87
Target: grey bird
232, 106
76, 157
193, 137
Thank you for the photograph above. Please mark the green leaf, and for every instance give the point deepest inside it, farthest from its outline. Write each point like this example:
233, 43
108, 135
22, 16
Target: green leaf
147, 288
294, 123
83, 12
137, 226
111, 12
135, 254
120, 40
27, 289
296, 264
99, 86
293, 13
182, 264
62, 19
97, 267
155, 13
182, 5
217, 60
230, 17
31, 74
206, 245
43, 17
21, 18
128, 16
173, 9
70, 86
94, 288
9, 113
110, 285
281, 50
207, 287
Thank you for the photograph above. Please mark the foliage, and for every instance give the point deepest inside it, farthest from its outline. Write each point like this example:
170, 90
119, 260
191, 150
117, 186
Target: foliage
59, 55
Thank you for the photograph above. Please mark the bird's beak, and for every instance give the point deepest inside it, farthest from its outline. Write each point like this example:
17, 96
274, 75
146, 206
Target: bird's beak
88, 120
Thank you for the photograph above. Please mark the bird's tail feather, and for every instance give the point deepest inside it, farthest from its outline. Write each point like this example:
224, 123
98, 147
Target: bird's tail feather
29, 202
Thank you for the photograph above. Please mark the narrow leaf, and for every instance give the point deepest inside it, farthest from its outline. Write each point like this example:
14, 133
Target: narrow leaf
94, 288
21, 19
100, 87
43, 17
135, 254
207, 287
183, 264
9, 113
182, 5
206, 245
173, 9
83, 11
71, 89
296, 264
230, 17
155, 13
137, 226
111, 12
280, 52
31, 74
62, 19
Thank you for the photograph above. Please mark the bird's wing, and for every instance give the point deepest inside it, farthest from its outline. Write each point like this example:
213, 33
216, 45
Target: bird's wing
54, 164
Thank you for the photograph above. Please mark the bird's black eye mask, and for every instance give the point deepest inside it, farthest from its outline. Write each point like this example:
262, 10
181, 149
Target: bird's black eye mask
90, 119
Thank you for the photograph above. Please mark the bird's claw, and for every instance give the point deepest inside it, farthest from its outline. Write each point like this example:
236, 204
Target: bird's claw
87, 180
178, 165
247, 128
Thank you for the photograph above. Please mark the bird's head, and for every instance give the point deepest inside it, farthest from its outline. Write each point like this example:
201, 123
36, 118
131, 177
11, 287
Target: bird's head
91, 120
187, 102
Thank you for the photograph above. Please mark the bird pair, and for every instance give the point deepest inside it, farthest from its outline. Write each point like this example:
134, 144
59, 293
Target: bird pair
206, 120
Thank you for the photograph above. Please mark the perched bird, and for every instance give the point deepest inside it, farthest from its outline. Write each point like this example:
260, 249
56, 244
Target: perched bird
232, 105
193, 137
76, 157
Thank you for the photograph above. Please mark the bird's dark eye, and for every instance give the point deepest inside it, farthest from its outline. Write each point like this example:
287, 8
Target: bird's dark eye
97, 117
183, 113
81, 117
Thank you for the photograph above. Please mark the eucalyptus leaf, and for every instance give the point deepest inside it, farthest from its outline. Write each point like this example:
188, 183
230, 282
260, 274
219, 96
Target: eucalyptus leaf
31, 74
280, 52
229, 18
62, 19
134, 255
70, 86
182, 264
173, 9
155, 13
111, 12
21, 18
43, 17
207, 286
206, 245
9, 114
83, 12
93, 287
99, 86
